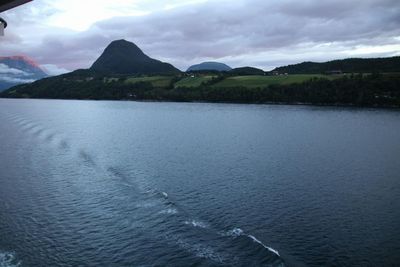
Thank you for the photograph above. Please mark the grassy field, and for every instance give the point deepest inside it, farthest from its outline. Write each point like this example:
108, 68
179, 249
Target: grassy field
262, 81
193, 81
252, 81
156, 81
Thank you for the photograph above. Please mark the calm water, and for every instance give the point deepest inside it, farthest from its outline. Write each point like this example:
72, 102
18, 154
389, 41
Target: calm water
167, 184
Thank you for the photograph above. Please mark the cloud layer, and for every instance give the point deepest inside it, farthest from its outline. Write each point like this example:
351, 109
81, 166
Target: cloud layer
12, 75
254, 32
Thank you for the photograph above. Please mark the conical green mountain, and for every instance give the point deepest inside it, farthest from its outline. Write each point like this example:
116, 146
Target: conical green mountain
123, 57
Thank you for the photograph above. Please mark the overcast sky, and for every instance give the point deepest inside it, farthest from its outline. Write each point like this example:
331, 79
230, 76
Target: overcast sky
65, 35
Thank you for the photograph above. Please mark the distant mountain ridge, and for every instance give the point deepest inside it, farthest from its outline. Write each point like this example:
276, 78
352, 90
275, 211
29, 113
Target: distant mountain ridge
123, 57
247, 71
16, 70
212, 66
350, 65
124, 72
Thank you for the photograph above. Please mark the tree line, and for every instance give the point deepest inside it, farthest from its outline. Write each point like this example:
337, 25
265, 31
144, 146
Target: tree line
358, 90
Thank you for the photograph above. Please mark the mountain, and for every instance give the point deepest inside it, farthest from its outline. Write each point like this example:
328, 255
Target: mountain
101, 82
17, 70
123, 57
352, 65
247, 71
120, 60
216, 66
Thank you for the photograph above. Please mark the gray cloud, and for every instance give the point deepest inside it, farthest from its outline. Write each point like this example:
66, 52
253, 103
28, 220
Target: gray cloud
53, 69
15, 80
4, 69
253, 32
14, 76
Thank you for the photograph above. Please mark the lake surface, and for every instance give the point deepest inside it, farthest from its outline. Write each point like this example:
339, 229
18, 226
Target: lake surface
86, 183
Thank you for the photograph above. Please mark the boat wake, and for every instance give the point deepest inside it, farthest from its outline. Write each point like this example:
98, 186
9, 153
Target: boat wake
236, 232
8, 259
186, 231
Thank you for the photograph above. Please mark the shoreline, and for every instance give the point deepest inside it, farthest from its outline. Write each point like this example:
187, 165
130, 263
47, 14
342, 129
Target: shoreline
342, 105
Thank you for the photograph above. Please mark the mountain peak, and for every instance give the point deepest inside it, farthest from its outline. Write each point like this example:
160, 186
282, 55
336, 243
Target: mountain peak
124, 57
123, 44
121, 41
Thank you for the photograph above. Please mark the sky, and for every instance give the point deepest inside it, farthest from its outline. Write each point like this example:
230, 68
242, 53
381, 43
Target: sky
64, 35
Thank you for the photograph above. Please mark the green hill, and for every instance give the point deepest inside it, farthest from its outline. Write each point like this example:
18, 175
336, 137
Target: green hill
194, 81
247, 71
350, 65
156, 81
254, 81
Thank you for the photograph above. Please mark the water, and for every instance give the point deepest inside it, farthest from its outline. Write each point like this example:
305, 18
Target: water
85, 183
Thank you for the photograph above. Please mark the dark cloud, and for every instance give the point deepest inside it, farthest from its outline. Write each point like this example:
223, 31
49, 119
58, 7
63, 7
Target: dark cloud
253, 32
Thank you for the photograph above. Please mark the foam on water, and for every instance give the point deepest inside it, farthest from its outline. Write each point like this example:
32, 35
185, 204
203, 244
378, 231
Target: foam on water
239, 232
8, 259
262, 244
169, 211
200, 250
146, 204
195, 223
235, 232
